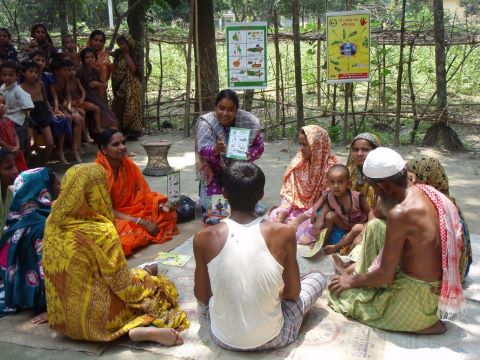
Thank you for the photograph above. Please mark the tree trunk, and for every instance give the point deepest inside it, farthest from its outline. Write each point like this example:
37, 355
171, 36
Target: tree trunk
62, 17
136, 27
319, 65
277, 67
440, 134
298, 65
74, 21
206, 54
396, 139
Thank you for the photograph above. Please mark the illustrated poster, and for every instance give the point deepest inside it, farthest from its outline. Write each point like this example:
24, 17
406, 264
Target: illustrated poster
238, 142
219, 206
173, 187
247, 55
348, 46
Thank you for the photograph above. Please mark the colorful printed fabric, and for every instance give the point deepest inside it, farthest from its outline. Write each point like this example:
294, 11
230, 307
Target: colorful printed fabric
452, 302
103, 65
127, 104
131, 195
91, 293
408, 304
304, 181
430, 171
209, 165
7, 136
22, 242
359, 182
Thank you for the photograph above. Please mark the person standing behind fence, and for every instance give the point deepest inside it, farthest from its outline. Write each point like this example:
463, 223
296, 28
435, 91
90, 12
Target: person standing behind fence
127, 87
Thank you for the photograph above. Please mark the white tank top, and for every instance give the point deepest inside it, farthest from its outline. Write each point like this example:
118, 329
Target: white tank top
245, 309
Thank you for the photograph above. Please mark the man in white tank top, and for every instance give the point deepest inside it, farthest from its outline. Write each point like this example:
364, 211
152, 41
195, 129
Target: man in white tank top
247, 273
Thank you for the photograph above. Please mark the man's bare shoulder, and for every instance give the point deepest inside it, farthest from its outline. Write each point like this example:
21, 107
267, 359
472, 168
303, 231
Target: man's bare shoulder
210, 233
279, 232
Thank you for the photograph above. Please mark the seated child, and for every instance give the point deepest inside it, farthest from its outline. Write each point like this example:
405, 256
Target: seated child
8, 137
340, 208
77, 94
19, 102
60, 125
75, 114
40, 116
90, 79
69, 48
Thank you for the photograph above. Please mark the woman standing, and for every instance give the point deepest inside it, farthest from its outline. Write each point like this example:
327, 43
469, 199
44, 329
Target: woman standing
211, 139
96, 41
40, 33
304, 182
91, 293
127, 101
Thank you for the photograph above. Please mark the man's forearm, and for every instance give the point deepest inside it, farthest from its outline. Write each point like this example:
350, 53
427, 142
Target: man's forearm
375, 278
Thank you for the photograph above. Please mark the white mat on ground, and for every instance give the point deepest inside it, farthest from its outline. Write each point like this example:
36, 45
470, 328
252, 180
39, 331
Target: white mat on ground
324, 332
17, 329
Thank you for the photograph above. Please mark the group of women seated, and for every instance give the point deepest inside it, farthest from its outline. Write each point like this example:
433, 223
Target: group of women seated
63, 246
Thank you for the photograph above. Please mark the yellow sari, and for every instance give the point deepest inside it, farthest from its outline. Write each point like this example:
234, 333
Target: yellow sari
91, 293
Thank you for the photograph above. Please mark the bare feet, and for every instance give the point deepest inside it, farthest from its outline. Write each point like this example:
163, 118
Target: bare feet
77, 157
40, 319
164, 336
61, 157
436, 329
340, 266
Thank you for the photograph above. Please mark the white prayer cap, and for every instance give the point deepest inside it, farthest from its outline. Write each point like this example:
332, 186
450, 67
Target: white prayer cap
382, 163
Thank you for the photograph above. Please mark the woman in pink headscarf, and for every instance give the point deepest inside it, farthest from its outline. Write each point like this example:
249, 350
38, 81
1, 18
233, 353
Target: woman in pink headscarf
304, 182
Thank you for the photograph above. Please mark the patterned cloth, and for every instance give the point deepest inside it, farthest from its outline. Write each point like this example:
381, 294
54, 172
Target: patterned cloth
359, 182
7, 137
210, 166
408, 304
131, 195
91, 293
22, 242
127, 104
312, 286
452, 302
430, 171
103, 65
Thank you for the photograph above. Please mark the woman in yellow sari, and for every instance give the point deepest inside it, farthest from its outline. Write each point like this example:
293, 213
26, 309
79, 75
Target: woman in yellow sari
91, 293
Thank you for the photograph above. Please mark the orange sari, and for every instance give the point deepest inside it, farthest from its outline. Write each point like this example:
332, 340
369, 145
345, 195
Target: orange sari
131, 195
103, 65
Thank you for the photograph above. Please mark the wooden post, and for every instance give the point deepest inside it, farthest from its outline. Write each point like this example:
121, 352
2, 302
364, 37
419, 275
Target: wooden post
277, 67
298, 65
160, 84
396, 139
186, 120
197, 50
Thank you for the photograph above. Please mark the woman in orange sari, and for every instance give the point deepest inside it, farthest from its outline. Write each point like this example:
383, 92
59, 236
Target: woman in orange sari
141, 216
96, 41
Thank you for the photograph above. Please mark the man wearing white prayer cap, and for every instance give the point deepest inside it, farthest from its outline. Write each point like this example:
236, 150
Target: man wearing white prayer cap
399, 273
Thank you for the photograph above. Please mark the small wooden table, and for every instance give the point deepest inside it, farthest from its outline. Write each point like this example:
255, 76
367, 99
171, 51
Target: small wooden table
157, 152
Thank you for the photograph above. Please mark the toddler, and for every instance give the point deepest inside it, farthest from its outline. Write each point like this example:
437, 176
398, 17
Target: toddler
8, 137
340, 208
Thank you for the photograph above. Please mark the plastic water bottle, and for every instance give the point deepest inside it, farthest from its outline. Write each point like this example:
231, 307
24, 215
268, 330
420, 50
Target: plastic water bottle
198, 210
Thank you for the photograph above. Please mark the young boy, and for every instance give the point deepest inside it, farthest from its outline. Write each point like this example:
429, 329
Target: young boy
339, 207
70, 49
60, 125
19, 102
8, 136
77, 94
74, 113
40, 116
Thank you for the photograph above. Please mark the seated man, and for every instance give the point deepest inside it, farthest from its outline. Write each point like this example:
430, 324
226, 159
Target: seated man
398, 288
247, 272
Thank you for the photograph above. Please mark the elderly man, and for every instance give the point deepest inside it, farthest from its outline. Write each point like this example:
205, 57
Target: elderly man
407, 276
247, 272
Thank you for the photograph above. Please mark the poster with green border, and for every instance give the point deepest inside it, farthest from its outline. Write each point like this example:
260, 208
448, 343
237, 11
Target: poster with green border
348, 46
247, 55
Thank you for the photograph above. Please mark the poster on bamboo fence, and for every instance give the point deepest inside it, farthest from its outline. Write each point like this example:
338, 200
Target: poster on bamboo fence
348, 46
247, 55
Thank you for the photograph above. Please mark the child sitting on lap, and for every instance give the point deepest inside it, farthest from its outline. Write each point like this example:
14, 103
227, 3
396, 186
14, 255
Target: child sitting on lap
340, 208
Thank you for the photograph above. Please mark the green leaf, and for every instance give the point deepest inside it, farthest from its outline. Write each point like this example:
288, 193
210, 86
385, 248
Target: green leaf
352, 33
386, 72
374, 83
344, 34
336, 42
334, 62
311, 51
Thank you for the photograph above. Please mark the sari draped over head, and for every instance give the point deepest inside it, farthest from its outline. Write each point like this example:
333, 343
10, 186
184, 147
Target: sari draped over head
132, 196
127, 101
358, 180
22, 241
91, 293
305, 181
208, 130
430, 171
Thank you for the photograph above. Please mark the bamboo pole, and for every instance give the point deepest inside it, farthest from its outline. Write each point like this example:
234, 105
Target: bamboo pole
319, 66
199, 78
277, 67
186, 121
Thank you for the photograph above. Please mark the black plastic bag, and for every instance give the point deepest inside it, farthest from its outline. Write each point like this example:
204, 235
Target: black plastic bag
185, 209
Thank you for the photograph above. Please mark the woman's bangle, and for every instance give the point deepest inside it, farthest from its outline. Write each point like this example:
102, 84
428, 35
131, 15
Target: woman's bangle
138, 220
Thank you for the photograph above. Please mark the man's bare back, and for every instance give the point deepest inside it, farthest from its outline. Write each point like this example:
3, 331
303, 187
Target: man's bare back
35, 90
422, 253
